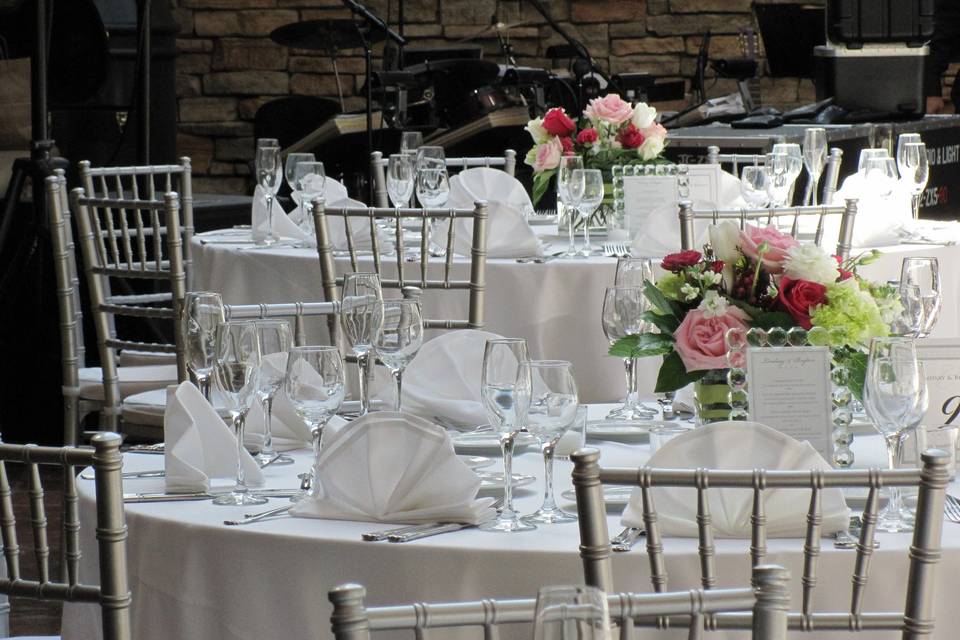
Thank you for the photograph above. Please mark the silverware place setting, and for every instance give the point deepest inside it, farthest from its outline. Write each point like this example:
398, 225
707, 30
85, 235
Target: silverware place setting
624, 541
418, 531
616, 249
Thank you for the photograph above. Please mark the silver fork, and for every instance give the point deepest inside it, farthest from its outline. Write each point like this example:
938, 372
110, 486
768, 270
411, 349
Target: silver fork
625, 540
951, 508
415, 532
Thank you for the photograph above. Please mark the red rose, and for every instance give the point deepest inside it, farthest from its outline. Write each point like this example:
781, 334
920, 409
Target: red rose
798, 297
558, 123
588, 136
630, 137
717, 266
567, 143
676, 262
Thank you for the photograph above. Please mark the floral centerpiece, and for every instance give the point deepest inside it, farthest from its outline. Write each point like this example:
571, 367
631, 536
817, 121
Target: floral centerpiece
758, 277
612, 132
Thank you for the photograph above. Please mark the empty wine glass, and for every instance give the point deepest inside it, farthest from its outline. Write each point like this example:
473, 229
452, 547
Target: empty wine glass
867, 154
315, 385
778, 182
399, 339
311, 181
588, 203
623, 309
275, 341
794, 166
633, 272
400, 178
361, 315
880, 175
814, 159
237, 369
910, 321
571, 613
268, 177
505, 390
568, 164
202, 314
431, 158
290, 165
553, 409
914, 167
753, 186
433, 191
924, 273
904, 139
410, 141
895, 397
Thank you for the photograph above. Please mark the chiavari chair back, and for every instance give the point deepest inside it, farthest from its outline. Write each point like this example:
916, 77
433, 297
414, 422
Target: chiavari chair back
736, 161
378, 166
296, 311
915, 621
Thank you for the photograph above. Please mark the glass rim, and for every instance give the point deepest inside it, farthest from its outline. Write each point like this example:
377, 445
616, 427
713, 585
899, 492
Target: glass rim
266, 322
313, 348
202, 294
547, 364
505, 340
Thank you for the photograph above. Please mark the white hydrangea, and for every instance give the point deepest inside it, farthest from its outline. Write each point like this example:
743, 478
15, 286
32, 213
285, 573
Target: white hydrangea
711, 278
810, 262
713, 305
689, 292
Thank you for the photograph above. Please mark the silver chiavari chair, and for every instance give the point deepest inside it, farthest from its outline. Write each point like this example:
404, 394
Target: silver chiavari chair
766, 602
475, 285
378, 166
131, 241
831, 173
846, 213
113, 592
915, 621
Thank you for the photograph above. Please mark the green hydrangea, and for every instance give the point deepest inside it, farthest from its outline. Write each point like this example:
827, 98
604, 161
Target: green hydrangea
850, 315
670, 285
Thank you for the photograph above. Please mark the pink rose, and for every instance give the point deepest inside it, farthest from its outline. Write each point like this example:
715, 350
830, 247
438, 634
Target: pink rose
548, 155
777, 246
656, 130
610, 108
700, 340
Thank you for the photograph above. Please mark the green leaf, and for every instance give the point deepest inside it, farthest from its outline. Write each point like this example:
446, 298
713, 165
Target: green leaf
750, 310
666, 324
642, 345
856, 363
770, 319
541, 183
659, 301
673, 375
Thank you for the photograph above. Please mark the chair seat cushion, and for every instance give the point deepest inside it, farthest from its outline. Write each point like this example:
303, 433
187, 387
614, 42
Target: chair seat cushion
145, 408
132, 380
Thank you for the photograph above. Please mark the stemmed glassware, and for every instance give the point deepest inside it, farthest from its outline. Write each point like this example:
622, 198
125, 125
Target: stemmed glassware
910, 322
924, 273
633, 272
914, 166
275, 341
904, 139
568, 164
314, 383
777, 178
895, 397
814, 159
880, 174
867, 154
202, 314
238, 375
399, 339
290, 168
410, 141
400, 178
794, 166
588, 202
553, 409
310, 180
361, 315
754, 186
571, 613
431, 158
623, 309
268, 168
505, 391
433, 191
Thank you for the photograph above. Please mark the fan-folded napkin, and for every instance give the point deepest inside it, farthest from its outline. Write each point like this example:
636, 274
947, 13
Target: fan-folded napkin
444, 379
199, 447
879, 220
393, 467
281, 224
738, 446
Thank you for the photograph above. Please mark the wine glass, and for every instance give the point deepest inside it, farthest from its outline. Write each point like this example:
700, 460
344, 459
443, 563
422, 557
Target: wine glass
275, 341
895, 397
571, 613
268, 177
202, 314
867, 154
777, 178
553, 409
410, 141
433, 191
290, 166
591, 199
315, 385
431, 158
753, 186
904, 139
910, 320
237, 369
814, 159
880, 175
311, 181
361, 315
633, 272
794, 166
399, 339
568, 164
622, 315
400, 179
505, 390
924, 273
914, 166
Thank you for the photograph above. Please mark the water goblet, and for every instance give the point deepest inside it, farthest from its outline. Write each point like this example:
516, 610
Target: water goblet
431, 158
290, 166
553, 410
202, 314
778, 182
310, 180
910, 321
361, 315
275, 341
622, 315
814, 160
399, 339
924, 273
753, 186
400, 179
505, 392
588, 203
237, 369
633, 272
568, 164
314, 383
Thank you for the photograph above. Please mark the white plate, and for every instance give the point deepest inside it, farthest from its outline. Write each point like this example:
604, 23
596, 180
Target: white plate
612, 496
476, 462
483, 441
491, 481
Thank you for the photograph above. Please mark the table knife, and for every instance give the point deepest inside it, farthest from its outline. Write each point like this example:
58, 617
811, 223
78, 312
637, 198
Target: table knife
432, 530
376, 536
165, 497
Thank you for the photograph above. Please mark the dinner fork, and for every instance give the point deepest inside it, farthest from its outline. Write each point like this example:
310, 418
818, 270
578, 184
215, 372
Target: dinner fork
415, 532
951, 508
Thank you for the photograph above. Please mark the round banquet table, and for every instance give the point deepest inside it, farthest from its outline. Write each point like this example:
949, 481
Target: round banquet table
193, 577
554, 305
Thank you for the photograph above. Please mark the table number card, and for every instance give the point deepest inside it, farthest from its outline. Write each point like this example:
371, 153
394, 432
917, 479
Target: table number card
645, 196
941, 366
790, 391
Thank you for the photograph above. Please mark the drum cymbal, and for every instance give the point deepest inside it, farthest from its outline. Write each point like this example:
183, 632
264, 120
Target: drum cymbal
325, 35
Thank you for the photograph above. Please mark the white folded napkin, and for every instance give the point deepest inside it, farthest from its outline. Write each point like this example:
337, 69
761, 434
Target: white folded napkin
393, 467
283, 226
335, 196
199, 448
508, 233
879, 221
738, 446
444, 379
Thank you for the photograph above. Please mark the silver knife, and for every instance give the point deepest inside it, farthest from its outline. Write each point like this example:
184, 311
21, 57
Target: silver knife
90, 475
376, 536
432, 530
165, 497
626, 543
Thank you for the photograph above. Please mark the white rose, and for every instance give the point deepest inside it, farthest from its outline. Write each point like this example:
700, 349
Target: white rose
536, 131
810, 262
651, 147
643, 115
724, 237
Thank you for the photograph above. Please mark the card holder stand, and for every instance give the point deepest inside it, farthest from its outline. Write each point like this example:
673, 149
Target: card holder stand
738, 341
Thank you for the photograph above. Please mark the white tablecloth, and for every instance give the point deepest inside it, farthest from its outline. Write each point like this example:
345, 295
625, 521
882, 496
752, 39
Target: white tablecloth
555, 305
192, 577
